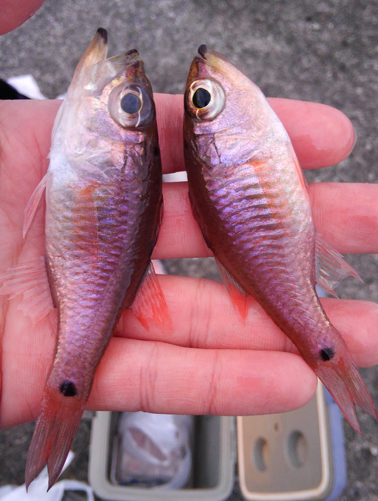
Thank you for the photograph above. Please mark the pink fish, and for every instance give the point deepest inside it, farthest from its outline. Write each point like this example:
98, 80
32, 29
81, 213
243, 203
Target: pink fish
249, 197
103, 213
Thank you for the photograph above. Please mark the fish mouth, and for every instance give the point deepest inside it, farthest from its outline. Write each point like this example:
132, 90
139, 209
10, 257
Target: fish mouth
206, 62
132, 52
212, 57
210, 65
95, 69
202, 50
101, 33
98, 50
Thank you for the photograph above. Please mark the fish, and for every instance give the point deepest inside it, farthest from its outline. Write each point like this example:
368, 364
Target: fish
249, 196
104, 206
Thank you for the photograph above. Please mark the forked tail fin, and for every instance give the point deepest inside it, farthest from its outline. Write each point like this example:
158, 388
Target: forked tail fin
53, 435
342, 379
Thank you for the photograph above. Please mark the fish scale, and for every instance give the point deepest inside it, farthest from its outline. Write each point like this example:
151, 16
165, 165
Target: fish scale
103, 213
82, 283
264, 229
248, 195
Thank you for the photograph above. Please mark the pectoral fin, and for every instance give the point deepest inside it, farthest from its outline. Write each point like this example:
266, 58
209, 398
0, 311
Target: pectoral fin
30, 281
33, 204
330, 266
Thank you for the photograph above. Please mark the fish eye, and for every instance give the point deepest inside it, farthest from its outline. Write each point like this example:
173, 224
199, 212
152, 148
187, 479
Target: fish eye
131, 103
131, 106
204, 99
201, 98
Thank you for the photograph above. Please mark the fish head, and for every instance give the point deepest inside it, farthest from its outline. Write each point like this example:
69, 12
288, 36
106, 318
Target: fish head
226, 114
109, 107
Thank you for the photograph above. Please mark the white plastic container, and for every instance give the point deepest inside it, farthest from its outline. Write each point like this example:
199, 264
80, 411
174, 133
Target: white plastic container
214, 456
297, 455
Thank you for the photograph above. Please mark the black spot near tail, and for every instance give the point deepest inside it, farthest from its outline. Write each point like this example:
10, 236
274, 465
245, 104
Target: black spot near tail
68, 388
326, 354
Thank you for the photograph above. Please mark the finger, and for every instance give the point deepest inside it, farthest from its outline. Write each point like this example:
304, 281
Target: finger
345, 214
339, 210
204, 317
158, 377
321, 135
15, 12
193, 326
24, 145
179, 234
27, 354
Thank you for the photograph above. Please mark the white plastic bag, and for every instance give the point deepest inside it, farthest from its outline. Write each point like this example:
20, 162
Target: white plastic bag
154, 449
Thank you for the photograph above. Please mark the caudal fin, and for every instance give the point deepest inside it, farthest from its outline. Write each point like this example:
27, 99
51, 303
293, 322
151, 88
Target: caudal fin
53, 435
342, 379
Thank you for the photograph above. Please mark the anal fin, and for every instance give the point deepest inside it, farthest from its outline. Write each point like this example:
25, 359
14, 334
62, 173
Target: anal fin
30, 281
330, 266
149, 305
237, 295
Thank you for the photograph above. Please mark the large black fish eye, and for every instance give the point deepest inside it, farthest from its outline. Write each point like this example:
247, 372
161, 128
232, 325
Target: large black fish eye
201, 98
131, 103
131, 106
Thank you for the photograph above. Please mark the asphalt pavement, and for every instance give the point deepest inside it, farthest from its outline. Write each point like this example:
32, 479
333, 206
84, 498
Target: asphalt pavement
324, 51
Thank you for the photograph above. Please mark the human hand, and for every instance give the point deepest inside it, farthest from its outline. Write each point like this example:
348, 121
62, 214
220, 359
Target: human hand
15, 12
211, 362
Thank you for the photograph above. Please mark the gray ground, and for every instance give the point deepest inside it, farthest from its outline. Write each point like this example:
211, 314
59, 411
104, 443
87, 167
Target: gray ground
324, 51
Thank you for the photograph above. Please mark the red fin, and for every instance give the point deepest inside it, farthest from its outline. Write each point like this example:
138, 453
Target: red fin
33, 203
29, 280
53, 435
342, 379
237, 295
331, 268
149, 305
299, 169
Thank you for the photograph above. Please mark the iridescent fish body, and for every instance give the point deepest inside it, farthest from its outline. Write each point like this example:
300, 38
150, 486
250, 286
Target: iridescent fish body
249, 197
103, 212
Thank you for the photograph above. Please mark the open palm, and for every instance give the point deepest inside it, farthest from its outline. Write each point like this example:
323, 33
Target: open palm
211, 362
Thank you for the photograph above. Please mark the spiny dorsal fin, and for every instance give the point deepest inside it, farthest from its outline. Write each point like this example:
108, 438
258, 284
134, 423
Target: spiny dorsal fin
330, 266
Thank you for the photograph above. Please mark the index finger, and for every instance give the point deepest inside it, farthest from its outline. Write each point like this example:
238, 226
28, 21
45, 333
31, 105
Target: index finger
15, 12
321, 135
